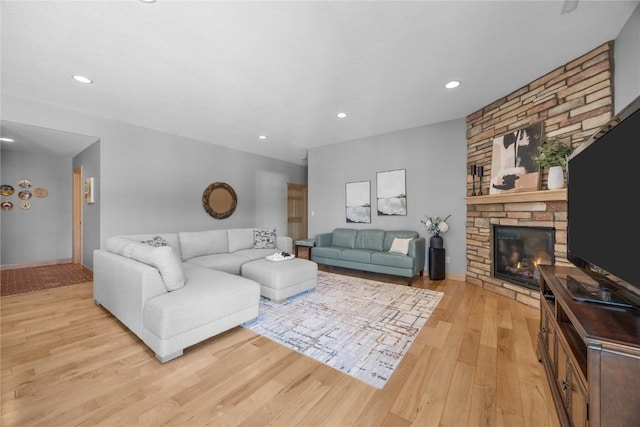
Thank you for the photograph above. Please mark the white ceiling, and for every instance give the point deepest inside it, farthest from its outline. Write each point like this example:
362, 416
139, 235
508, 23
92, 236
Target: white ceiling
226, 72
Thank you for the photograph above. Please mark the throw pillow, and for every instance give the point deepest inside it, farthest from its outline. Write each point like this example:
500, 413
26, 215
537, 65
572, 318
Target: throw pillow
264, 238
156, 241
400, 246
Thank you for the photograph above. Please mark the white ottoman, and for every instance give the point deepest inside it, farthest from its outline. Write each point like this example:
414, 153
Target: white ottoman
283, 279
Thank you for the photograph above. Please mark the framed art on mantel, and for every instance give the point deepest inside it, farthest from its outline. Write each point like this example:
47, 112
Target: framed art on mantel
358, 201
392, 193
513, 169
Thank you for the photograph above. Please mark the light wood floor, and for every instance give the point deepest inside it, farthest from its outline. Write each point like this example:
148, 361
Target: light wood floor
66, 361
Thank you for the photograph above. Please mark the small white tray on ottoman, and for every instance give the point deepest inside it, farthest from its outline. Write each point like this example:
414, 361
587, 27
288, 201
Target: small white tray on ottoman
279, 256
281, 280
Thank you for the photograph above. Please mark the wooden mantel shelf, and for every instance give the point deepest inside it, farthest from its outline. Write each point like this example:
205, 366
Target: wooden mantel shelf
530, 196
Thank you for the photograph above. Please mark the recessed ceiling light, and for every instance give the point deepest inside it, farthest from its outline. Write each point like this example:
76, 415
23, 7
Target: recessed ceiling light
148, 1
262, 137
82, 79
341, 115
452, 84
3, 139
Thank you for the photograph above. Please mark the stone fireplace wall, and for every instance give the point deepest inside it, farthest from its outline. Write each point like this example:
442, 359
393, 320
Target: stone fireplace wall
573, 101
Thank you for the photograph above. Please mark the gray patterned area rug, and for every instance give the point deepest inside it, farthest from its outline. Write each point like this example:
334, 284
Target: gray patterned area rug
358, 326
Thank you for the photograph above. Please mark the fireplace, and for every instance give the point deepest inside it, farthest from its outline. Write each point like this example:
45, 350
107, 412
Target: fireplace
517, 250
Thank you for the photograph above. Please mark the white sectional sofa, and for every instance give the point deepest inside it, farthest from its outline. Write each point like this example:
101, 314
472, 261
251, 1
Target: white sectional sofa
174, 290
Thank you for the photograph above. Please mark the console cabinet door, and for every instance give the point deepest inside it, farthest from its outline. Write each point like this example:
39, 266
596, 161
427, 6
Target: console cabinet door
548, 338
562, 373
573, 391
546, 330
578, 399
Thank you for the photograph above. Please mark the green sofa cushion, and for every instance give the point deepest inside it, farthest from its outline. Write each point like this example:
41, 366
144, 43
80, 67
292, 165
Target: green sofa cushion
344, 237
370, 239
392, 259
357, 255
327, 252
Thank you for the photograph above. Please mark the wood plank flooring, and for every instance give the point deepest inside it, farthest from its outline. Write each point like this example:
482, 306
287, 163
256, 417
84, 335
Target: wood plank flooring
66, 361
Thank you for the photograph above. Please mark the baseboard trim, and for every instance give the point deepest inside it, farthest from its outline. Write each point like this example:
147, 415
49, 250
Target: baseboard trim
87, 269
460, 277
36, 264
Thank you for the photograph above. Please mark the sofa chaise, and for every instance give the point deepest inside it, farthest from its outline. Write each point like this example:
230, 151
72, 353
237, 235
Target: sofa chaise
174, 290
399, 252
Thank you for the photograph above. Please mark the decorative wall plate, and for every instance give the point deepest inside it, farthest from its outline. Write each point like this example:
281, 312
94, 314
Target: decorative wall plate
219, 200
6, 190
41, 192
24, 194
25, 205
25, 183
6, 206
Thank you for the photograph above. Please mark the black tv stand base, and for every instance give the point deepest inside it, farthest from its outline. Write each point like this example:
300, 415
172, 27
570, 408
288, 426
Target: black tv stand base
596, 292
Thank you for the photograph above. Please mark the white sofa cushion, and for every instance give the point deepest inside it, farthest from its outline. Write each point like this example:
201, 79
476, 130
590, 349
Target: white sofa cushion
254, 254
229, 263
198, 243
240, 238
208, 296
161, 257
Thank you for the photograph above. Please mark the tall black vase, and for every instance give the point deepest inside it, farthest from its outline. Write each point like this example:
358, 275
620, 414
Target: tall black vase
436, 241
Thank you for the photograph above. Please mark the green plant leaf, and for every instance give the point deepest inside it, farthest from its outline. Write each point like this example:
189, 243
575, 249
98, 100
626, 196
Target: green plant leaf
552, 152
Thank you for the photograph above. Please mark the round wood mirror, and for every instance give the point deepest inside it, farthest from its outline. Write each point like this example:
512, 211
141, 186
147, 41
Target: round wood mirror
219, 200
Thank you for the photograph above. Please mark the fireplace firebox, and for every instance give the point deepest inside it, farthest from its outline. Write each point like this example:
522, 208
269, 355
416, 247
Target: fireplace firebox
518, 250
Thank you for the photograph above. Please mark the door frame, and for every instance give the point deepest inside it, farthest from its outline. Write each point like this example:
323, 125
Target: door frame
77, 215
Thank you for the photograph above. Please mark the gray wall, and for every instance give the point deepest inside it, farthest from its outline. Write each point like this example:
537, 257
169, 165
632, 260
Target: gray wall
434, 158
153, 182
43, 232
627, 62
149, 181
89, 159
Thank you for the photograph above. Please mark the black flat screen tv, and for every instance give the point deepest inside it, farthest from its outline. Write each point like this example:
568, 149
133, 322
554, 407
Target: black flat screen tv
603, 212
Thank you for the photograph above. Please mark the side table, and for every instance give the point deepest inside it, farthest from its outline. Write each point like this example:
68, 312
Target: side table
305, 243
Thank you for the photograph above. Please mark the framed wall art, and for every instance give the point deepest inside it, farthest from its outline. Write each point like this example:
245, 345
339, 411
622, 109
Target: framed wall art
392, 192
88, 191
513, 169
358, 202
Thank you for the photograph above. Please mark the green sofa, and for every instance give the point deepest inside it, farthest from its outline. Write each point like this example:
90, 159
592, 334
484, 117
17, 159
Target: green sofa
369, 250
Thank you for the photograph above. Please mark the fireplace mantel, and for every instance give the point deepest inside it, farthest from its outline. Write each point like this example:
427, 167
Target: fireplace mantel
530, 196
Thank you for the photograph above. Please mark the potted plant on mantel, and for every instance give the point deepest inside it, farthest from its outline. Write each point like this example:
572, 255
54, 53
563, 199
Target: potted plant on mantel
553, 154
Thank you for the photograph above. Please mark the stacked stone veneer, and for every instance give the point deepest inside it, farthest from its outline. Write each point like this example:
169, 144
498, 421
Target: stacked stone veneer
573, 101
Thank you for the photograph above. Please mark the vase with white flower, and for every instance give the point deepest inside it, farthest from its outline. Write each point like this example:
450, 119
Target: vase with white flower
435, 225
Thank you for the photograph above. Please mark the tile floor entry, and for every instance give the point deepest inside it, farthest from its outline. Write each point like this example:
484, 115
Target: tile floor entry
22, 280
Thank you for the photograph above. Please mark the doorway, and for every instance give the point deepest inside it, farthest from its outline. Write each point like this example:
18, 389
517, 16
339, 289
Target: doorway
296, 211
